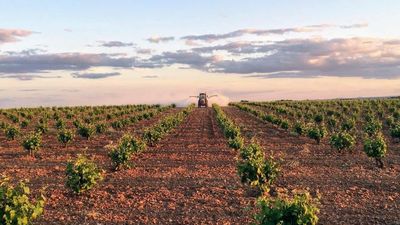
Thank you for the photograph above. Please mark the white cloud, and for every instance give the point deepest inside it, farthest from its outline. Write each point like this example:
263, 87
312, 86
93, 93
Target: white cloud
264, 32
37, 63
12, 35
111, 44
157, 39
95, 75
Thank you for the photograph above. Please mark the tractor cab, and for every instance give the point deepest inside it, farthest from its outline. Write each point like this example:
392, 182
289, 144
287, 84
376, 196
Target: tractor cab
203, 99
202, 96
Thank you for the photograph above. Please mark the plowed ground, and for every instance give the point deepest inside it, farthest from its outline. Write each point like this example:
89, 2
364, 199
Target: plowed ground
353, 190
188, 178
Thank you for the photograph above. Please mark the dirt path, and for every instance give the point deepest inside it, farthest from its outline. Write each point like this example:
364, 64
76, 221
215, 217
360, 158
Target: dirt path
190, 178
353, 190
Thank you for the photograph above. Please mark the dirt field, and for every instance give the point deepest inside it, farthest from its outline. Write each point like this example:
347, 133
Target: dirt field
353, 190
191, 178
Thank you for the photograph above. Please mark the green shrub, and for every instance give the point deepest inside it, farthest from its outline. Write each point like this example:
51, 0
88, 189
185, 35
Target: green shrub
342, 140
255, 170
369, 117
15, 206
69, 115
42, 128
152, 136
11, 132
348, 125
372, 127
396, 114
14, 118
395, 131
117, 124
32, 143
318, 118
376, 148
231, 131
331, 122
82, 174
284, 124
301, 210
24, 123
236, 143
390, 121
101, 128
60, 124
316, 133
65, 136
86, 131
299, 128
127, 146
3, 125
253, 150
77, 123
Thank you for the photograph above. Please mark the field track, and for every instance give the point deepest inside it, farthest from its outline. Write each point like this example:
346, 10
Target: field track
190, 178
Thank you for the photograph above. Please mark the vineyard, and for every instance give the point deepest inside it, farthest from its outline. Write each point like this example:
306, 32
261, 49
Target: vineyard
278, 162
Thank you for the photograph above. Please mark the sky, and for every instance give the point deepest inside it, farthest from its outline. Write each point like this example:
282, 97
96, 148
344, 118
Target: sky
64, 53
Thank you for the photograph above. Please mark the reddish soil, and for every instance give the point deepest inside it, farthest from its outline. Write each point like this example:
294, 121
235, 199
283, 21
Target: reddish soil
189, 178
352, 189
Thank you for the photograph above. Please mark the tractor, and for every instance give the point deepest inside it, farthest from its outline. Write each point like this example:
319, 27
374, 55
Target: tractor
203, 99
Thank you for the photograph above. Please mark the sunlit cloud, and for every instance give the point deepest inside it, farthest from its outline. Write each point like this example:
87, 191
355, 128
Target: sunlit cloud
111, 44
290, 58
12, 35
150, 76
157, 39
265, 32
144, 51
38, 63
28, 77
95, 75
360, 57
191, 59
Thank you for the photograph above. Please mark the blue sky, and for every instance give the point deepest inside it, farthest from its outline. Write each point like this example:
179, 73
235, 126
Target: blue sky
351, 44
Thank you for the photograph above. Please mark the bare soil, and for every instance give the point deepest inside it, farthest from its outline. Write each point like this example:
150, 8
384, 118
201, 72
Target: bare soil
189, 178
353, 190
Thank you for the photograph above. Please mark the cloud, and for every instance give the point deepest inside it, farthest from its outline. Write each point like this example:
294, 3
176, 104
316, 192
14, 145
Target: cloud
150, 76
341, 57
111, 44
238, 47
95, 75
68, 30
39, 63
144, 51
157, 39
358, 25
30, 90
27, 77
191, 59
191, 43
260, 32
361, 57
12, 35
31, 51
70, 90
